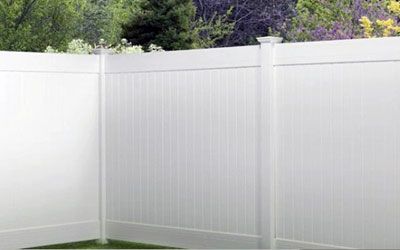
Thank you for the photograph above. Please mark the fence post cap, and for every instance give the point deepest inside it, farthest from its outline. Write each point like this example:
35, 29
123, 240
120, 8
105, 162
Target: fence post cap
102, 51
269, 39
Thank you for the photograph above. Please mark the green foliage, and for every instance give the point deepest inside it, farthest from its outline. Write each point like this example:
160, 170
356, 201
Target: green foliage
316, 14
50, 49
76, 46
32, 25
382, 25
340, 19
173, 25
104, 19
167, 23
155, 48
215, 29
127, 48
79, 46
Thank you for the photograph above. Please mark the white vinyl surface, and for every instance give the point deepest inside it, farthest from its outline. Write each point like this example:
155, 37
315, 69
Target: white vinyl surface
338, 167
179, 140
285, 145
49, 150
182, 146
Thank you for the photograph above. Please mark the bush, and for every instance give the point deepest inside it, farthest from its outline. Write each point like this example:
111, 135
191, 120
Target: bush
78, 46
127, 48
166, 23
384, 26
343, 19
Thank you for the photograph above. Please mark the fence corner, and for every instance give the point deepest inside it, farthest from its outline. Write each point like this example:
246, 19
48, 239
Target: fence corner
267, 141
102, 53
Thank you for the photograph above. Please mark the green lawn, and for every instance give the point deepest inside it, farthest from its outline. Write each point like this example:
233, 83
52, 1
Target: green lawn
112, 244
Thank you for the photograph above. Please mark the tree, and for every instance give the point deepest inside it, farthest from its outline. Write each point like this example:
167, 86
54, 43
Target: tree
166, 23
212, 31
103, 19
334, 19
252, 18
32, 25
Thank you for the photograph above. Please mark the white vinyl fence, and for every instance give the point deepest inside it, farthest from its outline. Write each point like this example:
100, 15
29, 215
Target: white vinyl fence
273, 146
182, 141
338, 128
49, 153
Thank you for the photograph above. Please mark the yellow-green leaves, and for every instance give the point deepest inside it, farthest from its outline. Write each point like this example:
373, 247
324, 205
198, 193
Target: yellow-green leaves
366, 24
394, 7
382, 27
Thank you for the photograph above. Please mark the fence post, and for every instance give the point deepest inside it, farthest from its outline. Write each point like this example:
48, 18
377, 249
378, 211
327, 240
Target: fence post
102, 52
267, 142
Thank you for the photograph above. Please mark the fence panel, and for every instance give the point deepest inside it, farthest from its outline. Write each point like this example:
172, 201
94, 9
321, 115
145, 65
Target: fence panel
338, 129
182, 143
49, 149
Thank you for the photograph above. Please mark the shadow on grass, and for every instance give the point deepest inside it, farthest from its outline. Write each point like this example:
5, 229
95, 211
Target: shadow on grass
112, 244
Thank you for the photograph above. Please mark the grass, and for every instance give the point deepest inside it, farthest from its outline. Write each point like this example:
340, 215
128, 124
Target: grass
112, 244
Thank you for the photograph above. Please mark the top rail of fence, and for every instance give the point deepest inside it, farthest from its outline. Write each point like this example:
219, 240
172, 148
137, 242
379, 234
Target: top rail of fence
201, 59
46, 62
340, 51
